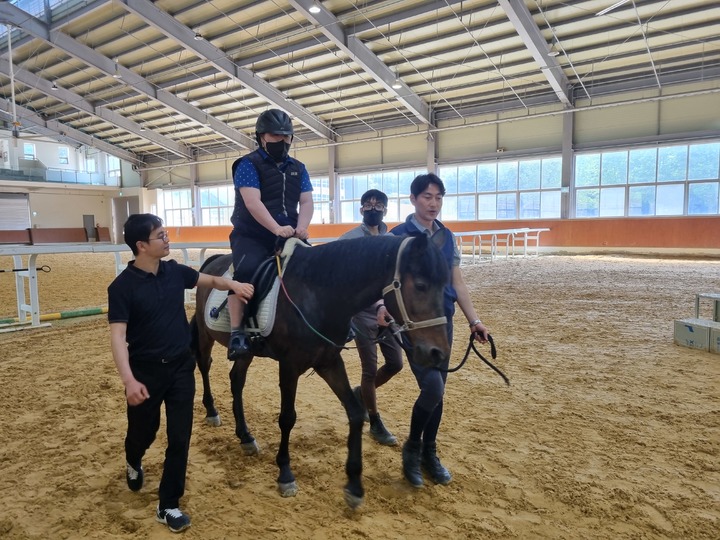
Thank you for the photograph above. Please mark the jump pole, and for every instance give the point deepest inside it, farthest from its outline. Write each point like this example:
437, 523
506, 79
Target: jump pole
14, 321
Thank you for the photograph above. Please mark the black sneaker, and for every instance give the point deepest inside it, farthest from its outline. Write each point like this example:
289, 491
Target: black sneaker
379, 432
238, 346
174, 518
134, 477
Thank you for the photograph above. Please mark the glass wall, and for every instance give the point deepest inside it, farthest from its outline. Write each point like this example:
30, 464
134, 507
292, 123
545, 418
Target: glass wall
395, 184
321, 200
177, 207
672, 180
216, 204
512, 189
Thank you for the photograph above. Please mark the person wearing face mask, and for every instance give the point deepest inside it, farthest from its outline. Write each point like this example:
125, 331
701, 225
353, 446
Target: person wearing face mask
368, 324
273, 198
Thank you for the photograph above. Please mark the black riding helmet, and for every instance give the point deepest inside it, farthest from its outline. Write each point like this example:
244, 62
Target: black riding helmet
273, 121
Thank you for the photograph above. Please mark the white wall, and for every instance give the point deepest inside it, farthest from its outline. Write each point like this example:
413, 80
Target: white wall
65, 208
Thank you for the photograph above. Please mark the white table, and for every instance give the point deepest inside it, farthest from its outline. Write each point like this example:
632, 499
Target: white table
494, 238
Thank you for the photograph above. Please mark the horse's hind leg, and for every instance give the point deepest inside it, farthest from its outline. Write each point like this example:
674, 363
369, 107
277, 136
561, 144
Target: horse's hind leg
202, 348
238, 376
335, 375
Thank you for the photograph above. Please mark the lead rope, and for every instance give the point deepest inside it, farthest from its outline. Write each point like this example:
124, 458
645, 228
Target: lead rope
471, 345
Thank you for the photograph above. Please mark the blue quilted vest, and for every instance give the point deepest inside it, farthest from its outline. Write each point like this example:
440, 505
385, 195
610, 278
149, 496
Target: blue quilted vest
279, 192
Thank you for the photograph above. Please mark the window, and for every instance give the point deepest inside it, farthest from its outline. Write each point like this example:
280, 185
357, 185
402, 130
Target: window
63, 155
321, 200
665, 181
394, 183
91, 165
177, 204
518, 189
113, 166
216, 204
28, 150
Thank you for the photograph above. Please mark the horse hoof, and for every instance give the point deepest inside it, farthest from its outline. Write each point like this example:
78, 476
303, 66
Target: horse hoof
353, 501
213, 421
288, 490
250, 448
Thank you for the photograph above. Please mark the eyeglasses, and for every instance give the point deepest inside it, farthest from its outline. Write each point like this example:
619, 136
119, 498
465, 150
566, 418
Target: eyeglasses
164, 237
380, 207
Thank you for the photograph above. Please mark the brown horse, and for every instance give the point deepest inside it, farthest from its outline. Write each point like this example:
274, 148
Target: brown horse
321, 289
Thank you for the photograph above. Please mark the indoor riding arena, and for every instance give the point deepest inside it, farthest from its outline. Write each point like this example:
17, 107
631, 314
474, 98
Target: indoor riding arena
607, 430
579, 148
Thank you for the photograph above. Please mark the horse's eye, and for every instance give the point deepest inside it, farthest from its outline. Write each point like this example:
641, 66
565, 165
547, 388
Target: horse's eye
421, 286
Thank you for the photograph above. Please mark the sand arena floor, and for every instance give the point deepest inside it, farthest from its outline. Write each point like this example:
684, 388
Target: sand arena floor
609, 430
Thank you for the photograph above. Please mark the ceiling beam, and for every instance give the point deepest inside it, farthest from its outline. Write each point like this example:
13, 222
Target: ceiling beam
361, 54
64, 133
177, 31
9, 14
78, 102
522, 20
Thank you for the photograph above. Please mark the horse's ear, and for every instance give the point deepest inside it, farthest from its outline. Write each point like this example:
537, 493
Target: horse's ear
440, 237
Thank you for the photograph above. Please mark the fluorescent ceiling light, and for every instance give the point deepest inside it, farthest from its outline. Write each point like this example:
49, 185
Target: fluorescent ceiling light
609, 9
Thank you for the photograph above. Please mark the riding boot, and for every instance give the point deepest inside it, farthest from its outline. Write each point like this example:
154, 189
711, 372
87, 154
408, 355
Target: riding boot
411, 462
238, 345
432, 466
379, 432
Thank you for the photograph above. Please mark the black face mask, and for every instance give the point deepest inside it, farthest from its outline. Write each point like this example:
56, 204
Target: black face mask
277, 150
372, 218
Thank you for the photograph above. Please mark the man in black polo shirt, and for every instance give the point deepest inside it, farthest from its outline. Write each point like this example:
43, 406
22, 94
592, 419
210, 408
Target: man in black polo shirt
150, 339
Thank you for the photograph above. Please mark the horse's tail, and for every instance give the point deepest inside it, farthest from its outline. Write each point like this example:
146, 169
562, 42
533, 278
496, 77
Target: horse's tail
209, 260
194, 337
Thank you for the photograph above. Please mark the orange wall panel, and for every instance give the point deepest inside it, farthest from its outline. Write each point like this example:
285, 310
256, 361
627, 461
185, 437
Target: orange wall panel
658, 232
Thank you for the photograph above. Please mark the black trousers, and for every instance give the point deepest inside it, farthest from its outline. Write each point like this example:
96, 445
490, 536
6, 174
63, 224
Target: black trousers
248, 253
172, 383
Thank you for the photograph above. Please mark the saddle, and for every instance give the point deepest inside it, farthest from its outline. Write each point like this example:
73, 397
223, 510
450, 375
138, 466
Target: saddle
260, 310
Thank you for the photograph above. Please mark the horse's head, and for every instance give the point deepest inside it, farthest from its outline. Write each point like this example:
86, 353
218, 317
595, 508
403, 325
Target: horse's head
415, 299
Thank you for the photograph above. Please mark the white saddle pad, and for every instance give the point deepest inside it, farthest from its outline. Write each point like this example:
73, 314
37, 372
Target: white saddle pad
266, 311
265, 315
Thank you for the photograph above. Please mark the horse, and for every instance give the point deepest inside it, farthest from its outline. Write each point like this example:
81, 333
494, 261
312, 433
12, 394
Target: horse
322, 287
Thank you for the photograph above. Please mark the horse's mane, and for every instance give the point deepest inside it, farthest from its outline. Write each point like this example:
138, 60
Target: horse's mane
344, 261
341, 261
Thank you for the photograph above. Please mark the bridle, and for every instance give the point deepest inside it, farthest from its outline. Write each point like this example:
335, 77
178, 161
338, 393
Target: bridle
396, 286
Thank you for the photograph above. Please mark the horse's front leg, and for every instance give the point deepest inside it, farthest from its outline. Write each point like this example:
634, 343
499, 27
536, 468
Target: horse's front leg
288, 389
238, 376
335, 375
212, 416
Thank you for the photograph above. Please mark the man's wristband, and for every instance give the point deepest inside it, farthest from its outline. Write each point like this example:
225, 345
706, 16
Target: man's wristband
475, 323
377, 308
